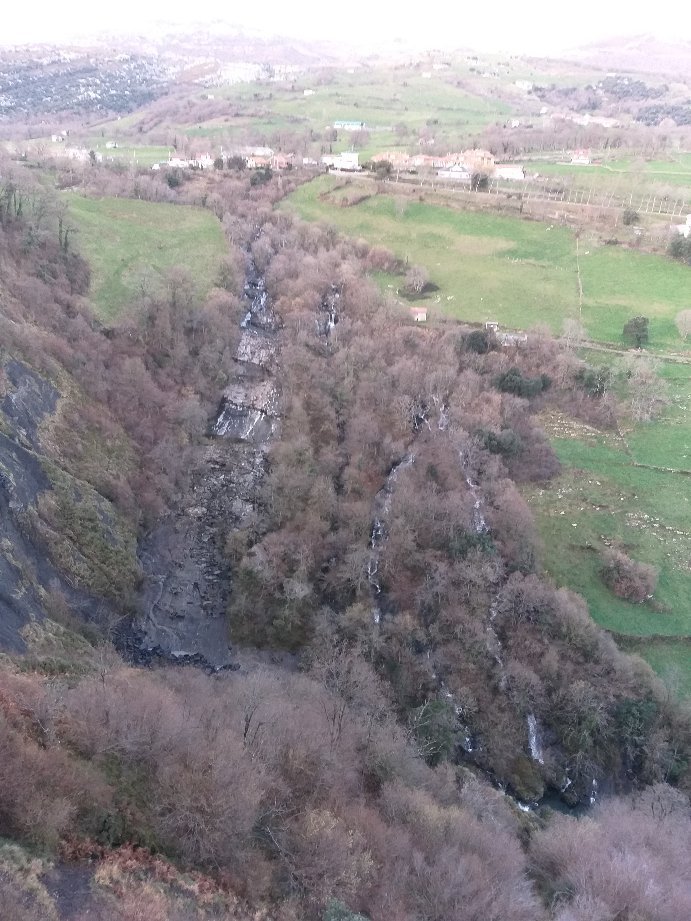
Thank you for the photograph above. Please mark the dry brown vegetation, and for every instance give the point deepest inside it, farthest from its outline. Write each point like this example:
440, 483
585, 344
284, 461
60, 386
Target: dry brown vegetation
295, 790
346, 786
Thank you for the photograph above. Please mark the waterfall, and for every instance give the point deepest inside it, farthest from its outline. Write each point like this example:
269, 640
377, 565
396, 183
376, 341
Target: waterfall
534, 742
382, 506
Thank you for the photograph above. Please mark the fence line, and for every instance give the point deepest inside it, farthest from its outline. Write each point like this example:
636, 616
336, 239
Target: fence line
644, 203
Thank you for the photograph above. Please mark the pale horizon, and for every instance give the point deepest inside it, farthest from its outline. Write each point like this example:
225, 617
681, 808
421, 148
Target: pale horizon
531, 28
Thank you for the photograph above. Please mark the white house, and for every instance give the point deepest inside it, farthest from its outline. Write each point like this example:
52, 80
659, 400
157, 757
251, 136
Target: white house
178, 163
458, 172
308, 92
684, 229
348, 161
349, 125
511, 171
202, 161
419, 314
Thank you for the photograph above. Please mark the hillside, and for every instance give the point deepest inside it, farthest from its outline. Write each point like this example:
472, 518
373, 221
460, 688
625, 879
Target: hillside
312, 609
317, 507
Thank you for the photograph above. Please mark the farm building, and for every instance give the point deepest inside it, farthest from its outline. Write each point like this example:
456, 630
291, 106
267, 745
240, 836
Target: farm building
478, 159
510, 171
396, 158
258, 162
347, 161
419, 314
349, 126
458, 172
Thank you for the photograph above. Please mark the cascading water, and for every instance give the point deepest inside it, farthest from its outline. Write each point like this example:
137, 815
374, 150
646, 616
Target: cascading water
534, 742
187, 580
382, 507
248, 410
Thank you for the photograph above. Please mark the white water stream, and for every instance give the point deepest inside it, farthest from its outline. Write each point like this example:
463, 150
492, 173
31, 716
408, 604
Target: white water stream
382, 507
534, 741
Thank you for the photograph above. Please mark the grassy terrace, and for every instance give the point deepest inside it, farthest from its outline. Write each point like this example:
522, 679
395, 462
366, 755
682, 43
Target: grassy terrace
521, 273
121, 238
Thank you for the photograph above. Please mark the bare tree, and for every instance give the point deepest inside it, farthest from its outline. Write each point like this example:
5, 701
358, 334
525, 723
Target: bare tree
683, 322
416, 278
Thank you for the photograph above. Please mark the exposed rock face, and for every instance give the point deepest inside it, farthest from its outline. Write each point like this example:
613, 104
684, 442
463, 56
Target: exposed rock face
26, 570
188, 580
28, 399
248, 412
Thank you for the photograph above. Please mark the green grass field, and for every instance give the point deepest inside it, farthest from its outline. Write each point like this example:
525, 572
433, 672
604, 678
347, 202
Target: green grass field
518, 272
393, 102
626, 175
121, 238
135, 154
602, 497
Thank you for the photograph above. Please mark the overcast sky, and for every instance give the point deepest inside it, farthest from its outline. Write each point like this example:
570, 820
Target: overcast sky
534, 26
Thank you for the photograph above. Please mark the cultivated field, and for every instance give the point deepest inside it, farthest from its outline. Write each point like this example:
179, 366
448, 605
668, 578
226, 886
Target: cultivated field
122, 239
520, 273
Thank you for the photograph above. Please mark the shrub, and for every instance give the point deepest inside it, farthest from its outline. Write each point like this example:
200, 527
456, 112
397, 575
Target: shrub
680, 248
506, 442
630, 216
628, 578
512, 381
479, 341
636, 332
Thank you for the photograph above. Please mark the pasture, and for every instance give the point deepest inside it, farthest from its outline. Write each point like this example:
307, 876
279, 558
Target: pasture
518, 272
137, 155
611, 493
625, 175
394, 103
124, 238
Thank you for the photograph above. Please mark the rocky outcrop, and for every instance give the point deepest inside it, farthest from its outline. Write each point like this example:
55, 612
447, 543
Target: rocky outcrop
187, 575
28, 572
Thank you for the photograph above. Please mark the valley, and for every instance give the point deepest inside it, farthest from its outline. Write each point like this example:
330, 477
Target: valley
345, 548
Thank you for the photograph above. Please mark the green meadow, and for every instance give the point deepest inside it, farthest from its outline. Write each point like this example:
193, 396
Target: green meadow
520, 273
393, 103
609, 493
123, 238
626, 175
134, 154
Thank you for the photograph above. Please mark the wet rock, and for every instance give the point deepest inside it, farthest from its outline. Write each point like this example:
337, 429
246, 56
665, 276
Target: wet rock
29, 398
188, 580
